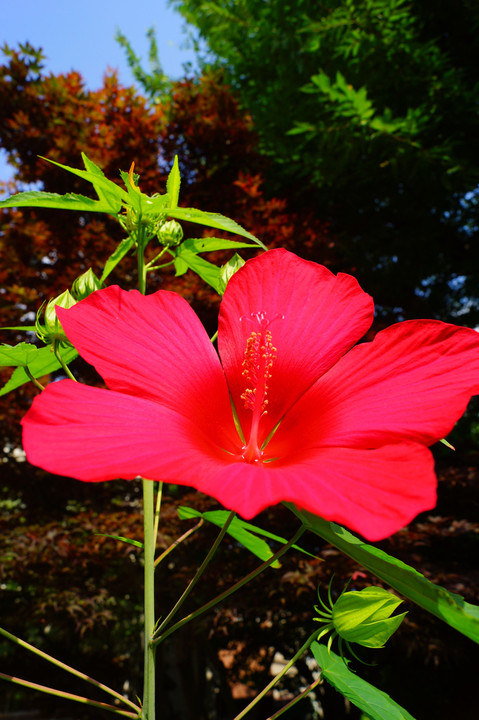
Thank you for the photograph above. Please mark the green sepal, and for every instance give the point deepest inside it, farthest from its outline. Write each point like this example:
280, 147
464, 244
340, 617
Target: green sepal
173, 184
229, 269
363, 616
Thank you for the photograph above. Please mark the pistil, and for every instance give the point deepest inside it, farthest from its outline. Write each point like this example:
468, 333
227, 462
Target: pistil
258, 360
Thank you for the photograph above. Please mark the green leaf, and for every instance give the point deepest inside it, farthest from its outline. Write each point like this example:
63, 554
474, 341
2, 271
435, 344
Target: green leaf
117, 255
70, 201
376, 703
214, 220
447, 606
211, 244
219, 517
43, 362
104, 192
17, 355
180, 267
173, 184
136, 543
237, 530
94, 175
207, 271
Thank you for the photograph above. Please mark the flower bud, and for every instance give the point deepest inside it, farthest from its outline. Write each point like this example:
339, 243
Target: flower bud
228, 270
52, 329
170, 233
84, 285
363, 616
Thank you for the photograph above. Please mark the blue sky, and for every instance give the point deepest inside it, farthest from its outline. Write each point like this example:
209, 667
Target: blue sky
81, 36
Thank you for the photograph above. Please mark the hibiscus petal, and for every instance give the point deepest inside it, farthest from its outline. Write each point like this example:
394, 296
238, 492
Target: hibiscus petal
413, 381
94, 434
374, 492
154, 347
315, 318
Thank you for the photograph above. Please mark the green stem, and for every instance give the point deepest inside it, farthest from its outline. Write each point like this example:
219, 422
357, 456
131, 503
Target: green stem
278, 677
159, 496
296, 699
62, 362
159, 267
141, 242
155, 259
148, 712
67, 668
219, 598
33, 379
198, 574
148, 708
68, 696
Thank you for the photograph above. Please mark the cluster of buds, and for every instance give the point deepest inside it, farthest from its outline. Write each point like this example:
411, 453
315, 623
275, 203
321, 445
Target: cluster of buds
51, 331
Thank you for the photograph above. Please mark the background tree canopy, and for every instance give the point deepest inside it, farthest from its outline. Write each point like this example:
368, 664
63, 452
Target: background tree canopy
367, 110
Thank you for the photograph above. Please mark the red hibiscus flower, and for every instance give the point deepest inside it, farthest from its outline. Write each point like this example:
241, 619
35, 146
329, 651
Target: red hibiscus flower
338, 430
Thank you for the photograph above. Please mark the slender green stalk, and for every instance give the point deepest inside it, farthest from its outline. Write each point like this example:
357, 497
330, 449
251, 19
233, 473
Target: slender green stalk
141, 243
159, 496
278, 677
148, 711
155, 259
295, 700
33, 379
198, 573
179, 540
67, 668
148, 707
58, 356
158, 637
68, 696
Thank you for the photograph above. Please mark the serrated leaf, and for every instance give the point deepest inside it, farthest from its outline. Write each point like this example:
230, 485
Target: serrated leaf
173, 183
207, 271
214, 220
410, 583
112, 198
17, 355
376, 703
180, 266
117, 255
70, 201
211, 244
97, 179
43, 363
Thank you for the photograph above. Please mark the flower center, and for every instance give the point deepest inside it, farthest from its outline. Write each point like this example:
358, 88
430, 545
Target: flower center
259, 356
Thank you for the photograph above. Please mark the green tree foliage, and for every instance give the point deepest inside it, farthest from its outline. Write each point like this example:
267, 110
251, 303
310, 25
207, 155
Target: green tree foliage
369, 108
